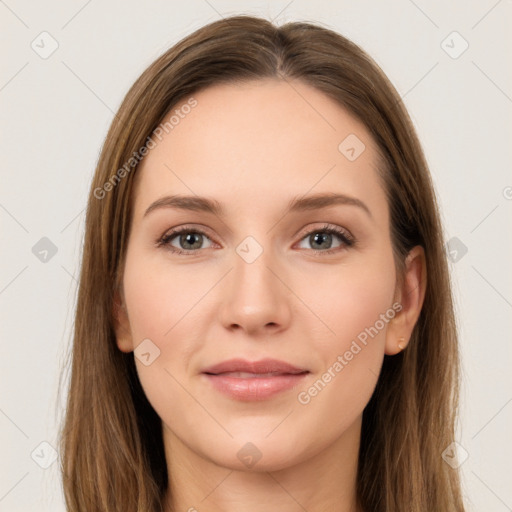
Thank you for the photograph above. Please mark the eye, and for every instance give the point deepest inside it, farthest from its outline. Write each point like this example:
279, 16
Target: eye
322, 239
188, 240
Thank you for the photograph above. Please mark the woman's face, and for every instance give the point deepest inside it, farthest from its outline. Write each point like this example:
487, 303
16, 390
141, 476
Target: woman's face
260, 278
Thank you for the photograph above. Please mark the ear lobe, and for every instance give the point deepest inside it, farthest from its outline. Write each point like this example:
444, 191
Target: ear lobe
411, 296
122, 329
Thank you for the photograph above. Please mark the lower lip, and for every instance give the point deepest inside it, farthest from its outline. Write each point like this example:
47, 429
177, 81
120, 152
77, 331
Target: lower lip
258, 388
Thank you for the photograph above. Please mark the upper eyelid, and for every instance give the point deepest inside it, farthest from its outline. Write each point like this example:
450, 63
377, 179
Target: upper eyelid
186, 229
325, 226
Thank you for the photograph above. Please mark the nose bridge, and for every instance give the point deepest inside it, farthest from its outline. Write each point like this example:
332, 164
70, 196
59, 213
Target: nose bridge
255, 297
251, 267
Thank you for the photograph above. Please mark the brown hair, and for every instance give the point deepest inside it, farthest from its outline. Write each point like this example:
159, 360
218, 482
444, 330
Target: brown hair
111, 439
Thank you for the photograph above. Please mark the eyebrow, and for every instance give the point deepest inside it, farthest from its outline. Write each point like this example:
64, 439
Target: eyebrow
297, 204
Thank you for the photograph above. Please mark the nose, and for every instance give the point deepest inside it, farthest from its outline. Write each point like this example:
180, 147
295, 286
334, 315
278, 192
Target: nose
255, 298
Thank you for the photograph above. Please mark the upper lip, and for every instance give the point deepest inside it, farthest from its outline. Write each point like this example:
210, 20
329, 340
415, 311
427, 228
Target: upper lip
261, 366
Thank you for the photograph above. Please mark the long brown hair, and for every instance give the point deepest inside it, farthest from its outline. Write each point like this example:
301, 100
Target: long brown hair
112, 455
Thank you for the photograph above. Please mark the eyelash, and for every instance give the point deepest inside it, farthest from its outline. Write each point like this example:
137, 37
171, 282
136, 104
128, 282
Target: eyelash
346, 239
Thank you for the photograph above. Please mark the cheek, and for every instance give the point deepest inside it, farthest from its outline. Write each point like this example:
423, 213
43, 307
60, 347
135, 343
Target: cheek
350, 299
160, 308
353, 303
158, 300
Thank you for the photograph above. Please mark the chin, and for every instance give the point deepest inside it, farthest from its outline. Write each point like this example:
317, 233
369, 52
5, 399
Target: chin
256, 453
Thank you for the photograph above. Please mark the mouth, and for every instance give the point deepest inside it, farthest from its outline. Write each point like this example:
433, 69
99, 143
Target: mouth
254, 381
250, 375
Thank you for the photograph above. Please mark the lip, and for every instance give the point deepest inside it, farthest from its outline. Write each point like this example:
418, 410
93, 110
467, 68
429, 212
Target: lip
270, 378
261, 366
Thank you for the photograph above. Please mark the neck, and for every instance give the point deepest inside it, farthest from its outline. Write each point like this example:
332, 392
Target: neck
323, 481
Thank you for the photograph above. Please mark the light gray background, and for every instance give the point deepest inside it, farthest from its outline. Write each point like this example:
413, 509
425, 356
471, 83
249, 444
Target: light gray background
55, 114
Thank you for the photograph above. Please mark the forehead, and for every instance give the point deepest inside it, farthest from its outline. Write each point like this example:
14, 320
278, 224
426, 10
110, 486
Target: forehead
260, 143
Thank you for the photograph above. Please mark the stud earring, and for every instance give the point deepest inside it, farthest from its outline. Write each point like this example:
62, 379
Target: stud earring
401, 343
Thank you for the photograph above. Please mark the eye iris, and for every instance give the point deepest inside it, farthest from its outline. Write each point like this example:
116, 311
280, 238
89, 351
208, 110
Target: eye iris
189, 238
320, 238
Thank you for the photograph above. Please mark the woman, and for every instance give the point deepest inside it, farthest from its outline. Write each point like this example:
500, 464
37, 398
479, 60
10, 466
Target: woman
264, 316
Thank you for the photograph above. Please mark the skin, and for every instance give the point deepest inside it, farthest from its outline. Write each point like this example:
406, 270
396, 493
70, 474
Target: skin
253, 147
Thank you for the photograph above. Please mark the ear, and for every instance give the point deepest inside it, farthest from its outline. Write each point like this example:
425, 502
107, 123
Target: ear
122, 329
410, 295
